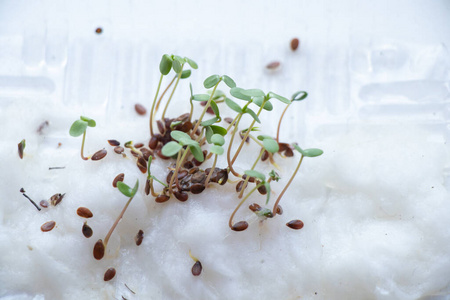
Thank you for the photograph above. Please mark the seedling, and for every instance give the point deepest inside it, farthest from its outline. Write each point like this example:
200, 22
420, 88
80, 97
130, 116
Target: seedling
79, 128
100, 246
149, 183
298, 96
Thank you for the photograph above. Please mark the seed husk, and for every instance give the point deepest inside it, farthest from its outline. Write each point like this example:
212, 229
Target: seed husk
56, 199
295, 224
279, 210
99, 30
295, 42
147, 187
44, 203
87, 230
273, 65
146, 153
142, 164
240, 226
22, 190
119, 177
228, 120
99, 154
182, 174
109, 274
42, 126
162, 198
140, 109
239, 186
139, 237
254, 207
265, 155
84, 212
47, 226
119, 149
289, 152
197, 188
99, 250
262, 190
21, 147
182, 196
114, 142
197, 268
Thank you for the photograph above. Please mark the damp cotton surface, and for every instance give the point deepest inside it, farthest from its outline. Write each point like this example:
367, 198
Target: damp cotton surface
374, 206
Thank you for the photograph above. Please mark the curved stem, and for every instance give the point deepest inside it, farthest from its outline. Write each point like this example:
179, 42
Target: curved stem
162, 95
82, 146
274, 211
248, 177
212, 170
171, 94
279, 123
230, 222
117, 222
180, 159
153, 105
229, 147
204, 109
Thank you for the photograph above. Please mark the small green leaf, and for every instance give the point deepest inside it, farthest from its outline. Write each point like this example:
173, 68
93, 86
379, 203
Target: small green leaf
237, 93
217, 139
260, 100
210, 121
218, 129
215, 108
135, 188
312, 152
216, 149
263, 137
274, 175
256, 174
265, 212
192, 63
124, 189
252, 113
299, 96
281, 98
91, 122
208, 133
228, 81
78, 128
211, 81
171, 148
165, 65
177, 66
197, 152
217, 94
188, 141
233, 105
178, 135
179, 59
185, 74
254, 93
201, 97
271, 145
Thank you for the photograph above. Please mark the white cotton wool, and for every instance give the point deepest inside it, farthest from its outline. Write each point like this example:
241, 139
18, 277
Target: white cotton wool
374, 207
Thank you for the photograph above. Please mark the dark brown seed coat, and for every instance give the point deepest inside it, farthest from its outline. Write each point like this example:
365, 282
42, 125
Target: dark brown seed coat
162, 198
139, 237
99, 250
182, 196
118, 149
295, 224
197, 188
254, 207
84, 212
153, 142
114, 142
119, 177
47, 226
138, 145
295, 42
99, 154
140, 109
142, 164
240, 226
109, 274
87, 230
197, 268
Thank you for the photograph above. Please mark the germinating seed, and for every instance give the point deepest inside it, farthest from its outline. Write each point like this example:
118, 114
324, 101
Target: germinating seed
295, 224
109, 274
119, 177
99, 154
99, 250
240, 226
295, 42
139, 237
197, 268
140, 109
56, 199
254, 207
84, 212
47, 226
87, 230
118, 149
142, 164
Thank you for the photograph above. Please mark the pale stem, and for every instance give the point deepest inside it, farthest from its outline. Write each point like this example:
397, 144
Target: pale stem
162, 95
171, 94
230, 222
204, 110
82, 146
279, 123
212, 170
117, 221
153, 105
